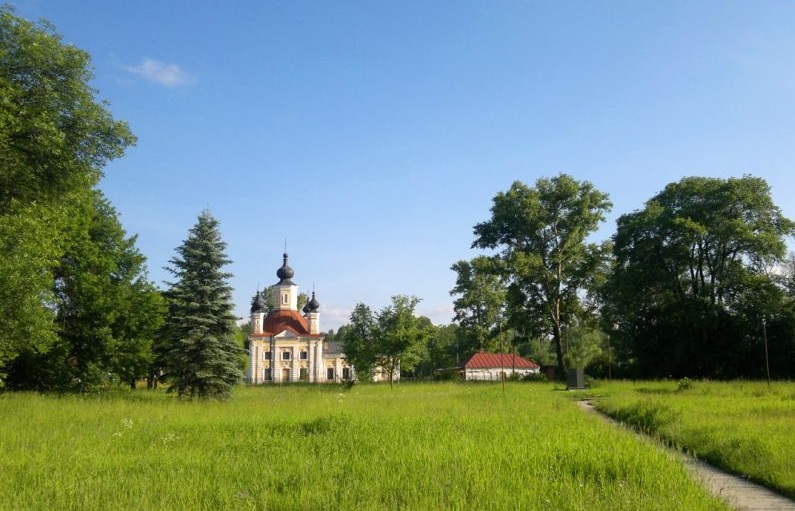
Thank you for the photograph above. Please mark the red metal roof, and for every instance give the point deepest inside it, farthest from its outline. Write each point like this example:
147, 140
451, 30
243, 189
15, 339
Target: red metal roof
499, 360
280, 320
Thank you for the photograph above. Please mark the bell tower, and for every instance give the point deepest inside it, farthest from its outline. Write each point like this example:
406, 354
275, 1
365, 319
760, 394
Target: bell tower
257, 313
285, 292
312, 315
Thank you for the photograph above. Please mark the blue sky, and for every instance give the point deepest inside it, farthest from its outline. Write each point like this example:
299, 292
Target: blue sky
373, 135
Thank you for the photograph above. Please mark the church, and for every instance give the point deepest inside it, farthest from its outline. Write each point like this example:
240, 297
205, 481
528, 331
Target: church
287, 346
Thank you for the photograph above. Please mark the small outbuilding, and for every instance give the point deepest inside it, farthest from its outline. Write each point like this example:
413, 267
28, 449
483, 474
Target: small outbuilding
496, 366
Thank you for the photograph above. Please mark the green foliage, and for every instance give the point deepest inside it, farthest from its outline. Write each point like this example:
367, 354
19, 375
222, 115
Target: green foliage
583, 345
536, 377
311, 447
106, 312
199, 354
400, 343
541, 351
55, 137
692, 279
30, 241
685, 384
481, 300
302, 299
446, 349
541, 234
392, 342
358, 341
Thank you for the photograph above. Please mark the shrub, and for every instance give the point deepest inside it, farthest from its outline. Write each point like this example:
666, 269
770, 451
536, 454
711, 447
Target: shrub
685, 384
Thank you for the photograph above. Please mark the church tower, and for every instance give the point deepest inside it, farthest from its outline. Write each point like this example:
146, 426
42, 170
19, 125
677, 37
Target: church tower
312, 315
285, 292
257, 313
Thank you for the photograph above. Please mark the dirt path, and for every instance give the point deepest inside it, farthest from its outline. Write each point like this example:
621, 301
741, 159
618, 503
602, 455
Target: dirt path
740, 493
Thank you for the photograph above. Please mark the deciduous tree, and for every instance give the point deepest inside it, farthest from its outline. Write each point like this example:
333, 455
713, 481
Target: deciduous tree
358, 341
55, 138
107, 312
480, 302
541, 236
392, 341
693, 280
400, 341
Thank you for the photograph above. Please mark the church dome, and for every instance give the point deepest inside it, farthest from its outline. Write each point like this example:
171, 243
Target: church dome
313, 305
258, 305
285, 273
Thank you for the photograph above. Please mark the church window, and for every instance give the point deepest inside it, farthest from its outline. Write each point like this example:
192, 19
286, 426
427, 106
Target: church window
285, 298
330, 373
267, 374
304, 355
285, 355
304, 376
346, 373
266, 355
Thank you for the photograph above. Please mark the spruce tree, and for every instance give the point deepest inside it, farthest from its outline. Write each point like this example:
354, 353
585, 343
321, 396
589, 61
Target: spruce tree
199, 355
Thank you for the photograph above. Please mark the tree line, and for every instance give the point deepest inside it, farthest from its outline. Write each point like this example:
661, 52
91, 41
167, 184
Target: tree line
695, 283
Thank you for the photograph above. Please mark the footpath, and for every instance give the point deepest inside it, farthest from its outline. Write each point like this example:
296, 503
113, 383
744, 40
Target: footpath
738, 492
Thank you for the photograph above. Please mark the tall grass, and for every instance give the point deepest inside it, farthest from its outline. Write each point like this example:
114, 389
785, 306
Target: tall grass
430, 446
743, 427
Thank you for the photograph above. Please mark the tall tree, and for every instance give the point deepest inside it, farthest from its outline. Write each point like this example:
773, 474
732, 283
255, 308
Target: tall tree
400, 343
200, 356
55, 138
480, 301
391, 341
692, 280
541, 233
107, 312
443, 352
358, 341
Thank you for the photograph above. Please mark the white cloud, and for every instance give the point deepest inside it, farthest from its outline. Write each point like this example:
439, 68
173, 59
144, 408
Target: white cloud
439, 314
169, 75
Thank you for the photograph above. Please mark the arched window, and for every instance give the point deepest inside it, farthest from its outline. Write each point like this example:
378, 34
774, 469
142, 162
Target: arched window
285, 298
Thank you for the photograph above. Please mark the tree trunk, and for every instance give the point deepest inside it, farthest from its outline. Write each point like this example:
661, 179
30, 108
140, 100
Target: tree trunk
558, 351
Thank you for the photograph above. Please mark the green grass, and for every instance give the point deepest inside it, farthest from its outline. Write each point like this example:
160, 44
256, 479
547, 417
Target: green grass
743, 427
429, 446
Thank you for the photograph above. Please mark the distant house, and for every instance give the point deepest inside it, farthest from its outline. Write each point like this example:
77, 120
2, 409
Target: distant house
495, 366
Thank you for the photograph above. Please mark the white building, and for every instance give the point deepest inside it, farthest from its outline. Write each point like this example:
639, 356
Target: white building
497, 366
287, 346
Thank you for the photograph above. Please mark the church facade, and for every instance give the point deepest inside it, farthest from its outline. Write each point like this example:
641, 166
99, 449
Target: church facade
286, 345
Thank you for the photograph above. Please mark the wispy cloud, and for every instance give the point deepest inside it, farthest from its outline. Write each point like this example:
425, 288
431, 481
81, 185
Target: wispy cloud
169, 75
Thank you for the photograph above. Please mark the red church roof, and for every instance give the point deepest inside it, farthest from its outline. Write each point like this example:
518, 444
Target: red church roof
499, 360
280, 320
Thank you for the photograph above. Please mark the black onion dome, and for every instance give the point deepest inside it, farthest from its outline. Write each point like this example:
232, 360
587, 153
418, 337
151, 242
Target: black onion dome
285, 273
313, 305
258, 304
306, 308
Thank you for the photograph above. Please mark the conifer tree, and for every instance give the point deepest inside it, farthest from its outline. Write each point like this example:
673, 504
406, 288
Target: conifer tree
199, 355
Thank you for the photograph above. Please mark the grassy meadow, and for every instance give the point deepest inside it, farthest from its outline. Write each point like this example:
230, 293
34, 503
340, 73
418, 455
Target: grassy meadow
743, 427
415, 446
